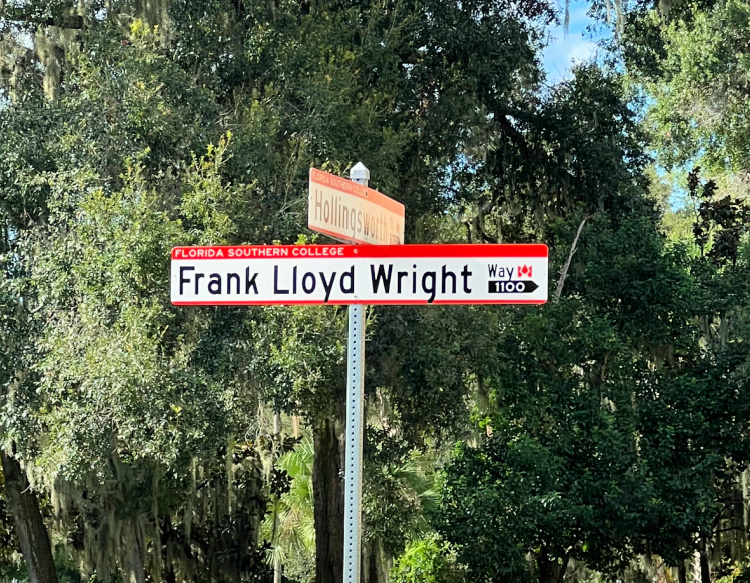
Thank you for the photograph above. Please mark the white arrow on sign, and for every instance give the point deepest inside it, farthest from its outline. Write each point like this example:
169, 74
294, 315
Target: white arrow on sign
339, 274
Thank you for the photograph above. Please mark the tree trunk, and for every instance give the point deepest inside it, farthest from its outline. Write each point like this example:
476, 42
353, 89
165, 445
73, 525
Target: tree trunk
375, 565
329, 505
550, 571
681, 572
28, 522
703, 554
277, 566
134, 558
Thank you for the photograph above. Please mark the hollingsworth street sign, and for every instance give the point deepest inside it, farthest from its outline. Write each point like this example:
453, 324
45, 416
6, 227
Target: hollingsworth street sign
345, 274
351, 212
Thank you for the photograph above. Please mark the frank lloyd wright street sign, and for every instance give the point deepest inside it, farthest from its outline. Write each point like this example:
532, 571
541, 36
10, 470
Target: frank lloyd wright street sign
345, 274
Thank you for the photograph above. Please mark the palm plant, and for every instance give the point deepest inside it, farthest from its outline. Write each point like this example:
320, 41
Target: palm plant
290, 526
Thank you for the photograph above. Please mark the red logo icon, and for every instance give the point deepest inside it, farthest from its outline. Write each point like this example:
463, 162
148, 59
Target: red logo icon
524, 270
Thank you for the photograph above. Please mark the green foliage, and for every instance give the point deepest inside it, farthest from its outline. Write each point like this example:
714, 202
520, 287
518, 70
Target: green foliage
427, 560
399, 490
13, 570
742, 577
699, 102
559, 477
290, 526
105, 366
616, 419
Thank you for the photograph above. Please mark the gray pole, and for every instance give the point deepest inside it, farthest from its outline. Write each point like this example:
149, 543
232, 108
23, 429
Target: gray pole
355, 384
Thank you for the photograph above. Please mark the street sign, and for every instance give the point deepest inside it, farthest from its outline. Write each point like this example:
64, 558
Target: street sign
352, 212
345, 274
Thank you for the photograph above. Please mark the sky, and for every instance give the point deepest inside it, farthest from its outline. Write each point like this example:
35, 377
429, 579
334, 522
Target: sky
578, 45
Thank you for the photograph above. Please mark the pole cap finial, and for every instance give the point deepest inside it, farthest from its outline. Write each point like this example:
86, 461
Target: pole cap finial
360, 173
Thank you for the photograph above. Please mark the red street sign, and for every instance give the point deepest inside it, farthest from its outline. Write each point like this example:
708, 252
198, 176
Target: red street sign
348, 274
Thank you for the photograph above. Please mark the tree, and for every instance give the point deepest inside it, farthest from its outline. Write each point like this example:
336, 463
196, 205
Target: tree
689, 63
702, 64
290, 526
560, 476
99, 369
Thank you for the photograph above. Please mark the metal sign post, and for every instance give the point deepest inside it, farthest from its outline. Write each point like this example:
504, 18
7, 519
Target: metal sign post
355, 360
355, 389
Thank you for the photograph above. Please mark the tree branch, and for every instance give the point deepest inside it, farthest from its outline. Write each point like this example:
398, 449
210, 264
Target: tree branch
564, 274
63, 21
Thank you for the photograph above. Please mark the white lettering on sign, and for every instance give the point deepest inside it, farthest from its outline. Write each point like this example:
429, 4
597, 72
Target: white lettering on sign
397, 274
353, 212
